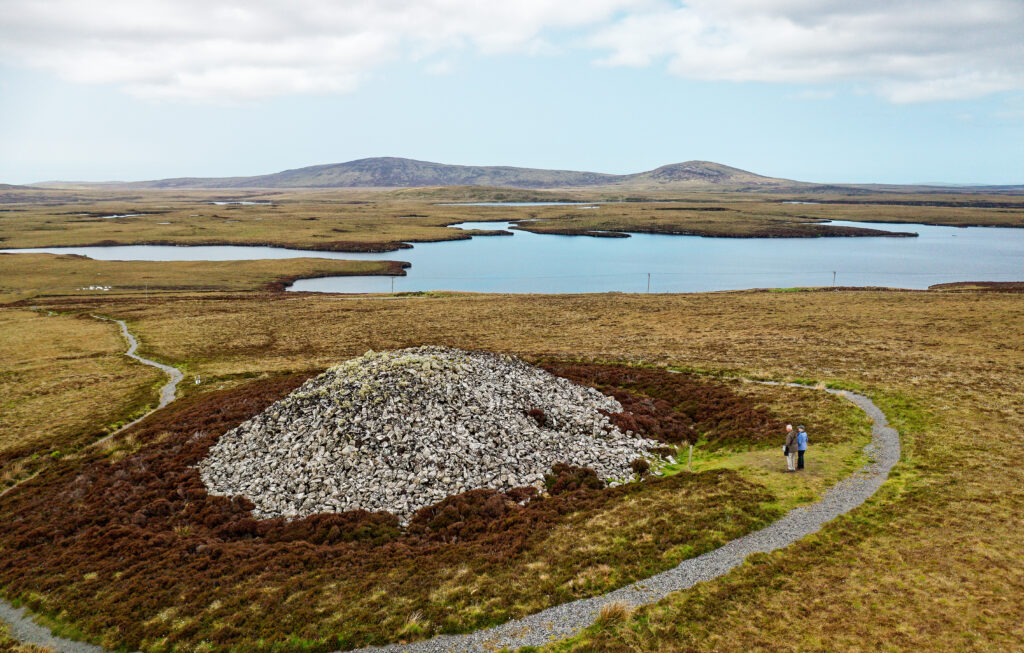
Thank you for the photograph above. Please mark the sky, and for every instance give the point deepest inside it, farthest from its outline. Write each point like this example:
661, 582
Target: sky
886, 91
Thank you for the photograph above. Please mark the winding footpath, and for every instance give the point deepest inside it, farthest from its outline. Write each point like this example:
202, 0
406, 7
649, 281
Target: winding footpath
19, 620
569, 619
167, 393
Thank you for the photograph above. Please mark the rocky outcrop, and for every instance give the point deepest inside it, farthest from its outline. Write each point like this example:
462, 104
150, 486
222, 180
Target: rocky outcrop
397, 431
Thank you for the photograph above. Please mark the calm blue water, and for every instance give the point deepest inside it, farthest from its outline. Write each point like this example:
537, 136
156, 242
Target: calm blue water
528, 262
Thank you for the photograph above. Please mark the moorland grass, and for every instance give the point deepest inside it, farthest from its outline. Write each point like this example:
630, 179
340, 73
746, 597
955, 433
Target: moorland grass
930, 563
366, 220
64, 382
24, 276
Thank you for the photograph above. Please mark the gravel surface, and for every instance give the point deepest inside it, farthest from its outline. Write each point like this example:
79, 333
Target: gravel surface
569, 619
400, 430
167, 392
23, 629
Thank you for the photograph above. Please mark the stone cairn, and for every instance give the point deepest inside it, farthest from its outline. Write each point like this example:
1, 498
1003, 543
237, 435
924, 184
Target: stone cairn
400, 430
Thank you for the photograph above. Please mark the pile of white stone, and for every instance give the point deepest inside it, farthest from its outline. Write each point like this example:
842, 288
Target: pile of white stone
400, 430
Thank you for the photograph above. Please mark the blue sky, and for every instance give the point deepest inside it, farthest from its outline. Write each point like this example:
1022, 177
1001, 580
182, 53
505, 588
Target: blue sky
618, 89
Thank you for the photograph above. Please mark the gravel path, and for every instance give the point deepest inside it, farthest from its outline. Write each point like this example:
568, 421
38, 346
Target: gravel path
19, 620
569, 619
24, 629
167, 392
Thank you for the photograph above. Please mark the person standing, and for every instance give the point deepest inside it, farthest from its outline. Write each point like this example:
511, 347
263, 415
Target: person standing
790, 449
801, 445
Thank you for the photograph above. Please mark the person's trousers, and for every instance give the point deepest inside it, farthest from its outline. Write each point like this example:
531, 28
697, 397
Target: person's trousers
800, 460
791, 461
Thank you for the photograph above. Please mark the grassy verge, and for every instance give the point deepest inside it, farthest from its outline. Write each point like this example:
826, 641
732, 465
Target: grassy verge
838, 430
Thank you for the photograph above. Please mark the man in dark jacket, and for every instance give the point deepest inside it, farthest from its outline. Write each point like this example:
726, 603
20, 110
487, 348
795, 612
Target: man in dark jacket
790, 448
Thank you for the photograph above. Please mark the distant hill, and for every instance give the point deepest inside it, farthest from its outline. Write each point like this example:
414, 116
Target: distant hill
392, 172
395, 172
702, 173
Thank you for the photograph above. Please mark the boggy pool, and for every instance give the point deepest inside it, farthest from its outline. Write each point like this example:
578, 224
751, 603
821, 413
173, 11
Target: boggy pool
534, 263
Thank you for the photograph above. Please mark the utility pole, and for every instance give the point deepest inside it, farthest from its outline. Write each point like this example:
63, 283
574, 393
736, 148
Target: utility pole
833, 278
392, 285
648, 282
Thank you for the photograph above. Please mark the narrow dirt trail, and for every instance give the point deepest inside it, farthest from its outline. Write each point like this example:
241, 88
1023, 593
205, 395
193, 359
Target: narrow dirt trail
167, 392
568, 619
22, 627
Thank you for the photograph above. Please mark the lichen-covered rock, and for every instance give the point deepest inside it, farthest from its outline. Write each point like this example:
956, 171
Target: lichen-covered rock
401, 430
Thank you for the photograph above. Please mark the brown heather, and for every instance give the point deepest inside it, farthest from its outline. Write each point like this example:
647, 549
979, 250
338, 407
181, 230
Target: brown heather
117, 540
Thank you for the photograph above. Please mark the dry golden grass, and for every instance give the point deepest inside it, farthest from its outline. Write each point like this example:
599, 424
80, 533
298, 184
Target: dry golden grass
748, 216
869, 337
931, 563
23, 276
614, 612
298, 220
64, 382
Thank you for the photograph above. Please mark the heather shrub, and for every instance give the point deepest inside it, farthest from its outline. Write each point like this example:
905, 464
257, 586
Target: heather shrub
566, 478
640, 466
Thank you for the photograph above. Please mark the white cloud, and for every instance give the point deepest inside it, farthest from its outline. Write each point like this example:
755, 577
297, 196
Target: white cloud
233, 49
904, 50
